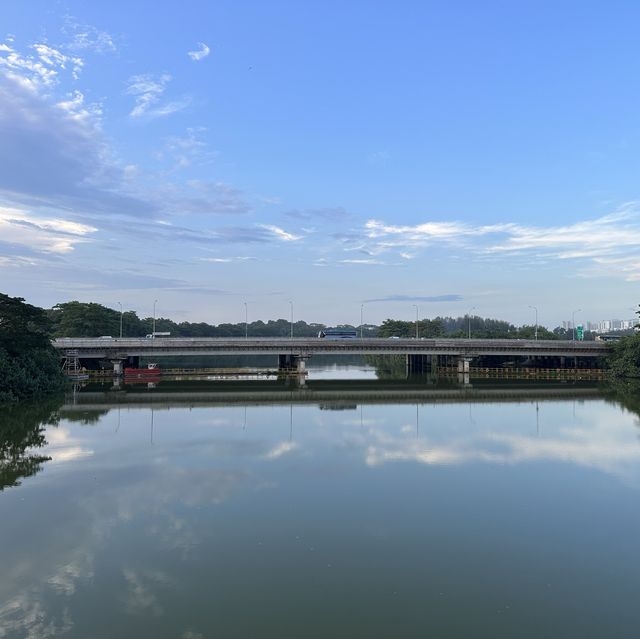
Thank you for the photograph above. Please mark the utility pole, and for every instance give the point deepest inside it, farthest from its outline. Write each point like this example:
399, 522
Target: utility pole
153, 331
469, 317
291, 305
536, 328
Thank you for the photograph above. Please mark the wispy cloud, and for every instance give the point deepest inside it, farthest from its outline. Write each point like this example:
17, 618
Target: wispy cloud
85, 37
281, 234
189, 149
365, 262
612, 239
148, 90
416, 298
201, 52
228, 260
44, 235
337, 214
41, 69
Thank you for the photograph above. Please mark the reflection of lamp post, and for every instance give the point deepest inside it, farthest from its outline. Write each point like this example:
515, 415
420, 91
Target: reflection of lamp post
416, 307
291, 305
469, 318
120, 303
536, 329
361, 312
246, 321
573, 322
153, 332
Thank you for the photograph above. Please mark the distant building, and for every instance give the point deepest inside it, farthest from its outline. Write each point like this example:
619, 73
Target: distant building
613, 325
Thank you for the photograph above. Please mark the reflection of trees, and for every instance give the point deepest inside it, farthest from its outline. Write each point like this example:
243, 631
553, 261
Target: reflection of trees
388, 366
21, 431
625, 392
85, 417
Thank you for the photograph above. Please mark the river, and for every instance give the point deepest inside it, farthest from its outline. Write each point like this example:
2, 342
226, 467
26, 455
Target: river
349, 508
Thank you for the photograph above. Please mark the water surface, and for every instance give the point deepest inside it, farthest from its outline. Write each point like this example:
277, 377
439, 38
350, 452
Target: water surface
442, 517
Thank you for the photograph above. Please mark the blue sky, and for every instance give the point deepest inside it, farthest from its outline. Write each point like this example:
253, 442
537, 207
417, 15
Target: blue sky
447, 155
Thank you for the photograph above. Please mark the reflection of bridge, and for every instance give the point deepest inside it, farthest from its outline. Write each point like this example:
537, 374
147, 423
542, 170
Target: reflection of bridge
292, 353
334, 393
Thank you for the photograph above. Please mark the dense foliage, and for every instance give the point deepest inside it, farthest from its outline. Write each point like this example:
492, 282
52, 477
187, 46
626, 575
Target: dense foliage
29, 366
80, 319
479, 327
625, 359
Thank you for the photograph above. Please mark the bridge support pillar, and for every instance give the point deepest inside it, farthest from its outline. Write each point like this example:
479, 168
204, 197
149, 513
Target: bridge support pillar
463, 364
417, 364
118, 367
292, 363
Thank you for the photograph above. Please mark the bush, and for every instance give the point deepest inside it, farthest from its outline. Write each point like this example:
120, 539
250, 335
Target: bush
31, 374
625, 359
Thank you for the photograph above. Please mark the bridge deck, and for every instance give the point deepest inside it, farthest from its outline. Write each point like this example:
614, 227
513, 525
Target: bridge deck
131, 347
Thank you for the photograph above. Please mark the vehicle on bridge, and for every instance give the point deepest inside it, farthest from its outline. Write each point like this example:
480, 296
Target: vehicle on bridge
609, 338
338, 333
158, 334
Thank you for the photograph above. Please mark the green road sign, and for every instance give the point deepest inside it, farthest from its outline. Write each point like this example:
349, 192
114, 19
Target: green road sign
580, 332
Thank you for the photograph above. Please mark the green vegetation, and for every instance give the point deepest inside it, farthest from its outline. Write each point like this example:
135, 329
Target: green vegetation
481, 328
398, 328
29, 365
80, 319
624, 362
625, 359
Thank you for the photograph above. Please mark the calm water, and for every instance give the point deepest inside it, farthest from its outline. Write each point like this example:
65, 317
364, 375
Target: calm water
437, 516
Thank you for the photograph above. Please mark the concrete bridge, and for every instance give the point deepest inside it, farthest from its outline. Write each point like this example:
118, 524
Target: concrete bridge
292, 353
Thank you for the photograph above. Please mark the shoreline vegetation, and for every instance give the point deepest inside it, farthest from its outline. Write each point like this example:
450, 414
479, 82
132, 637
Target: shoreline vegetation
30, 366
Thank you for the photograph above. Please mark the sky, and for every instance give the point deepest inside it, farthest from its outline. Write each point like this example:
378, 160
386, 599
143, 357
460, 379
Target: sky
346, 160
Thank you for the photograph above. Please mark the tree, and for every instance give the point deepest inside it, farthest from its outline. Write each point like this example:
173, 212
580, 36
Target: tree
29, 365
22, 326
81, 319
529, 332
396, 328
625, 359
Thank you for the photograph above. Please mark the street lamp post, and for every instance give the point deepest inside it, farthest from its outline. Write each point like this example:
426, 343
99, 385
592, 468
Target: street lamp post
246, 321
153, 331
416, 307
536, 328
291, 305
120, 304
573, 323
361, 314
469, 318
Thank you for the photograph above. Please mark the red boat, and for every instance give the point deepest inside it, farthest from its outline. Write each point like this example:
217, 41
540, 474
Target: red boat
152, 371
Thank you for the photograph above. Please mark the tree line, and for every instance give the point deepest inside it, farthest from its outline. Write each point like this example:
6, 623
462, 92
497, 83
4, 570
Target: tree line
89, 319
